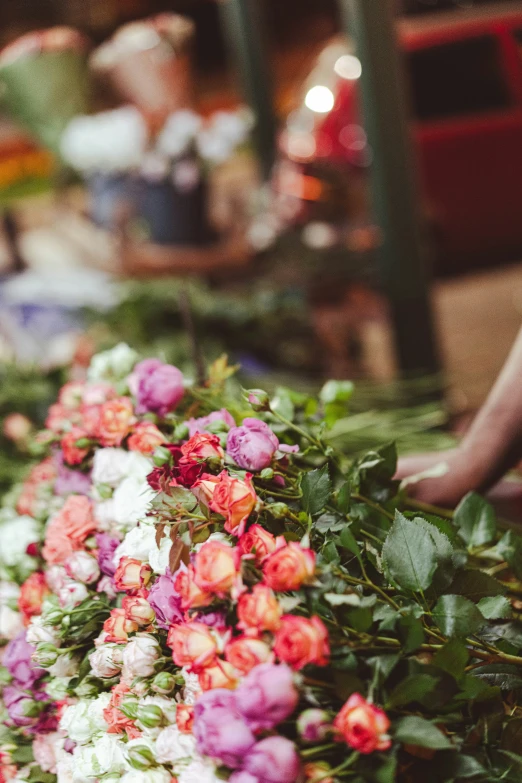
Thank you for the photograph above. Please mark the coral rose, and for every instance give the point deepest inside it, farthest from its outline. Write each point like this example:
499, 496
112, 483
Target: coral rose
192, 645
246, 652
131, 575
114, 421
117, 627
138, 610
289, 567
72, 453
216, 568
220, 675
32, 593
192, 596
259, 610
257, 542
185, 718
68, 529
202, 447
363, 726
235, 500
301, 640
145, 438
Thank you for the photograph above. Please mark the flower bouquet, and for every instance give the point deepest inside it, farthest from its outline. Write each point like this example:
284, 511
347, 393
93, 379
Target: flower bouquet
195, 588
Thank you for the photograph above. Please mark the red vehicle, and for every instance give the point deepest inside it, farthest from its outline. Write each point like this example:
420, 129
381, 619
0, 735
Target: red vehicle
465, 70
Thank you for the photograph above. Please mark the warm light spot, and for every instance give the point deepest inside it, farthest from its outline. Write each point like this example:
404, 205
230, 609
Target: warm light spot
348, 67
319, 99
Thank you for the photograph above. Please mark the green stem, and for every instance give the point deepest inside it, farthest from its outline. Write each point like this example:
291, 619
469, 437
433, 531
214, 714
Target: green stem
298, 429
372, 504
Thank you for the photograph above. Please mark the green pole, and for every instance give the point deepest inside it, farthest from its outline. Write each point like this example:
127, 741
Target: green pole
244, 32
395, 201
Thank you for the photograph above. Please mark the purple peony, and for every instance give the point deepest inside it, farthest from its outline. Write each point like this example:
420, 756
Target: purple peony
158, 387
273, 760
220, 731
201, 424
166, 602
70, 481
267, 696
107, 545
18, 661
242, 776
252, 445
23, 709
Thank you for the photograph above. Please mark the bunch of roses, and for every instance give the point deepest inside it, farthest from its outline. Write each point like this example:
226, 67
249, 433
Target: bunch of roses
156, 628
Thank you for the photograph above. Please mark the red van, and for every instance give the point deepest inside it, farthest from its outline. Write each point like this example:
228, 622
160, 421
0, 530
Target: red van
465, 71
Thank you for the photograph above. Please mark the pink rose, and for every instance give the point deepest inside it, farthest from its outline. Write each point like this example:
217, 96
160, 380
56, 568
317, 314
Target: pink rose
68, 529
131, 575
257, 542
117, 627
252, 445
113, 421
246, 652
145, 438
192, 645
234, 499
158, 387
216, 568
363, 726
202, 447
192, 596
259, 610
201, 424
289, 567
301, 640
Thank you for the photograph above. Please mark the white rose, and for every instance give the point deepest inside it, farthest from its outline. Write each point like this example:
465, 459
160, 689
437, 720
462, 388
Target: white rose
111, 466
66, 665
111, 365
83, 567
107, 660
55, 576
172, 746
75, 722
158, 557
72, 594
131, 502
104, 757
192, 688
57, 688
137, 543
147, 776
64, 770
198, 771
16, 533
38, 632
11, 622
95, 712
139, 657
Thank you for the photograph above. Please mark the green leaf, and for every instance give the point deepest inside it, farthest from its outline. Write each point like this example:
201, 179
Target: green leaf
512, 735
458, 766
452, 658
509, 549
344, 498
500, 675
475, 519
409, 555
336, 391
23, 754
329, 523
412, 730
413, 688
347, 540
457, 616
496, 607
316, 488
343, 599
475, 585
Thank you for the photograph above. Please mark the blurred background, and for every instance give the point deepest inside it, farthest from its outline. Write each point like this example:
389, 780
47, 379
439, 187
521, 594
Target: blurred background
318, 188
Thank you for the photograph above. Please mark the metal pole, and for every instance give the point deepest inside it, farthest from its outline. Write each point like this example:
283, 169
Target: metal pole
395, 201
244, 31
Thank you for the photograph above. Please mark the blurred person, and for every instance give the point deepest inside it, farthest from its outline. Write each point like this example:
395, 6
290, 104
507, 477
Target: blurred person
490, 448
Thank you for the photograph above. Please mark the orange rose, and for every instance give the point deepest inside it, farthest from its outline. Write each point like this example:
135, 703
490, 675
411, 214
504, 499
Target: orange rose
235, 500
184, 718
138, 610
363, 726
73, 454
145, 438
68, 529
202, 447
117, 627
204, 488
221, 675
216, 568
32, 593
115, 420
257, 542
192, 645
300, 641
115, 718
131, 575
246, 652
192, 596
289, 567
259, 610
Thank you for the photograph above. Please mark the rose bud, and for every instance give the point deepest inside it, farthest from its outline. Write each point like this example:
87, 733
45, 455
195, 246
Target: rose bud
140, 756
216, 568
131, 575
83, 567
45, 654
192, 645
301, 640
252, 445
73, 448
220, 675
257, 542
313, 725
203, 447
289, 567
192, 596
145, 438
117, 627
114, 421
317, 772
106, 661
185, 718
163, 683
259, 610
138, 610
235, 500
149, 715
258, 399
246, 652
267, 696
363, 726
